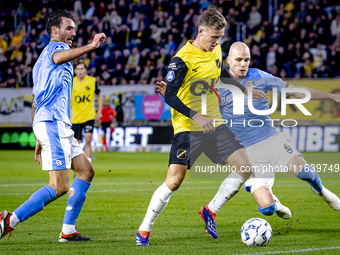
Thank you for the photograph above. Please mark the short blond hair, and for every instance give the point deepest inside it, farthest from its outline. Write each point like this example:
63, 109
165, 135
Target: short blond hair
212, 18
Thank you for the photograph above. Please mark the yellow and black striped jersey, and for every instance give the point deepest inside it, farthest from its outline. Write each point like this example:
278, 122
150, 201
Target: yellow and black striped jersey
192, 75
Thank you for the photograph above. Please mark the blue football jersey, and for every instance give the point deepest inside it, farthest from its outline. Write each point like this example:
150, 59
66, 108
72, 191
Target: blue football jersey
249, 127
52, 86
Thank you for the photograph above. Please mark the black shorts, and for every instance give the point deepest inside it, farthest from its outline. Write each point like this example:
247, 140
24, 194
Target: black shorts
217, 146
78, 129
105, 125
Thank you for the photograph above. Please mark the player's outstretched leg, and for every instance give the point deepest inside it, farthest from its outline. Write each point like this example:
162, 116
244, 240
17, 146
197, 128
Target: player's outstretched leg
5, 227
308, 174
267, 202
159, 200
281, 210
76, 198
331, 199
30, 207
230, 186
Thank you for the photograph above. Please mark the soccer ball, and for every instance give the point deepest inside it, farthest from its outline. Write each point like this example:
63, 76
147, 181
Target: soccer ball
256, 232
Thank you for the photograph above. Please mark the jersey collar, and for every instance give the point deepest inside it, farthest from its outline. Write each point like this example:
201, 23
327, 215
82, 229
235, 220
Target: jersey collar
54, 41
238, 79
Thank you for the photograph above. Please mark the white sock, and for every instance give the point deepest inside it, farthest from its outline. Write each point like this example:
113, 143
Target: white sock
158, 202
229, 187
89, 159
278, 206
68, 229
14, 220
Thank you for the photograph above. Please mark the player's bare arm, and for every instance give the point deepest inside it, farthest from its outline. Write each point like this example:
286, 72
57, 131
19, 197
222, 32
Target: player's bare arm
257, 94
206, 124
315, 95
114, 122
100, 106
62, 57
37, 155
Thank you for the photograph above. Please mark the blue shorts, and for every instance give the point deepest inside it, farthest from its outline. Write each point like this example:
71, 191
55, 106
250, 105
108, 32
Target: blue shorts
58, 144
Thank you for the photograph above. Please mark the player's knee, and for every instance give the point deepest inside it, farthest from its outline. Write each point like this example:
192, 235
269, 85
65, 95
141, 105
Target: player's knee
61, 189
269, 210
88, 174
91, 173
88, 143
174, 184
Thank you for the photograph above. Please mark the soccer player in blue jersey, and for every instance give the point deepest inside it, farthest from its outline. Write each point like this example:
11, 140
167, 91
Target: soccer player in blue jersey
265, 145
56, 148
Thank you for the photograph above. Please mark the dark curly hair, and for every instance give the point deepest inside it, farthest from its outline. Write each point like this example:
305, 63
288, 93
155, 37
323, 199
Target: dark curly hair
55, 19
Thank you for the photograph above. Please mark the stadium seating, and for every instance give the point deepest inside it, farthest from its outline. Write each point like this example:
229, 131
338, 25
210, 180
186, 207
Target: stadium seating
290, 39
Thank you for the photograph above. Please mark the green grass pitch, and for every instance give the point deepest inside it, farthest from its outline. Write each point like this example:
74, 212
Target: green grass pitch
120, 194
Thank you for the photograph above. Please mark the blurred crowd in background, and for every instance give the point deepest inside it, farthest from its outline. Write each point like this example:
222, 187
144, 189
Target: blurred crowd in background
287, 38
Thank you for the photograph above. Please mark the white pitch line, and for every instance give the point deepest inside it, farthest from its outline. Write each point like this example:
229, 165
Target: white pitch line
151, 189
289, 184
291, 251
15, 194
330, 182
105, 183
113, 190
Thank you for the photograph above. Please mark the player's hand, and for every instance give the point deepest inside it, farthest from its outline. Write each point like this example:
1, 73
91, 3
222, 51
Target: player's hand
257, 94
161, 87
113, 124
98, 116
37, 152
336, 98
206, 124
101, 37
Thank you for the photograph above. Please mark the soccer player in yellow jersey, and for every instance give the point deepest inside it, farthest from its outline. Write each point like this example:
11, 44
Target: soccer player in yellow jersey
193, 71
83, 112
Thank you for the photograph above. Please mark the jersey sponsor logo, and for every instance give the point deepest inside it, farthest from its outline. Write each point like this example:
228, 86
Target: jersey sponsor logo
59, 47
170, 76
288, 148
195, 69
201, 87
58, 162
181, 154
82, 99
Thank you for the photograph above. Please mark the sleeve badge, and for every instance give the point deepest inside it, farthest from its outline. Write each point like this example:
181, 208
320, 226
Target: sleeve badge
170, 76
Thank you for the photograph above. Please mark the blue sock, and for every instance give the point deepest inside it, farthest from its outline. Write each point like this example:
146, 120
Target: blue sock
36, 203
309, 175
269, 210
76, 200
